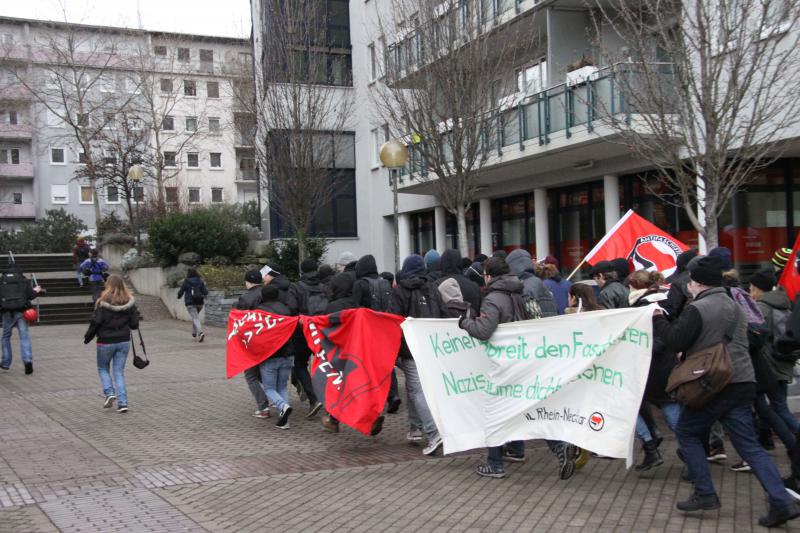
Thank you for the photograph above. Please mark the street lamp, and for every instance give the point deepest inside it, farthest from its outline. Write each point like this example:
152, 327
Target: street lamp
135, 174
394, 156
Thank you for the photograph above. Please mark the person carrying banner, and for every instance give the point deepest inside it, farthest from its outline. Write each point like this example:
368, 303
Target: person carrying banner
451, 269
415, 296
580, 299
276, 369
678, 295
370, 290
714, 318
433, 262
613, 294
504, 303
249, 300
306, 297
271, 276
523, 267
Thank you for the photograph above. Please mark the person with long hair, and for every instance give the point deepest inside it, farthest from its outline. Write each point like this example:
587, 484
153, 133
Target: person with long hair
581, 298
115, 315
194, 292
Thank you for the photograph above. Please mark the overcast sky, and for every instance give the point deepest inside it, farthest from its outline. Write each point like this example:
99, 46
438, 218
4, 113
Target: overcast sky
228, 18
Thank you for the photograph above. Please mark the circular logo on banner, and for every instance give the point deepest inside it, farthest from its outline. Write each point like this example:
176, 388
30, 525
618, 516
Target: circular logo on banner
655, 252
597, 421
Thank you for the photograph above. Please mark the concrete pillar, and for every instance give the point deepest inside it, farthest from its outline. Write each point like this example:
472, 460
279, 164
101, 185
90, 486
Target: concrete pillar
611, 197
485, 212
541, 223
404, 230
440, 228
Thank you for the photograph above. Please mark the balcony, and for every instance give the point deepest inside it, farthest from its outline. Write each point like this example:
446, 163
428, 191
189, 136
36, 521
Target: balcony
11, 210
246, 175
243, 140
22, 170
14, 92
16, 132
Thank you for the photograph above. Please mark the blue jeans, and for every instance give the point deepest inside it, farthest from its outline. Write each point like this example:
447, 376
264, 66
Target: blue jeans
777, 400
768, 415
737, 419
671, 412
79, 275
275, 373
495, 459
113, 355
419, 415
12, 319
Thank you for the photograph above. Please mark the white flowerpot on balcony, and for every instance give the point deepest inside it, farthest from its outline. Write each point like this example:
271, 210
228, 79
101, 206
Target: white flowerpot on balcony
578, 76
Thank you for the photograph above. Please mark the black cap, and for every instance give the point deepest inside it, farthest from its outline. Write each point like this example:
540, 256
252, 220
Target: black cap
308, 265
621, 267
599, 268
253, 276
764, 279
707, 270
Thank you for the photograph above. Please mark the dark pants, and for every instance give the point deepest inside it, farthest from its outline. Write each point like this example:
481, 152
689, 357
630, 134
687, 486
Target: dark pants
301, 355
735, 415
495, 460
773, 420
97, 289
393, 390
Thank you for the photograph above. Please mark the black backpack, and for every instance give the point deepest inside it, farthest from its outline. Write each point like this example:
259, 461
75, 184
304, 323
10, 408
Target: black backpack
381, 292
13, 290
424, 302
316, 299
196, 295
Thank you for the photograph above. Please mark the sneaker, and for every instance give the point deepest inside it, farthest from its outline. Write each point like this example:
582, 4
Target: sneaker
3, 367
717, 454
377, 426
109, 401
741, 466
393, 405
566, 461
122, 408
330, 424
488, 471
513, 457
28, 368
432, 446
194, 335
262, 413
699, 503
414, 435
792, 487
312, 412
583, 458
201, 337
779, 516
283, 419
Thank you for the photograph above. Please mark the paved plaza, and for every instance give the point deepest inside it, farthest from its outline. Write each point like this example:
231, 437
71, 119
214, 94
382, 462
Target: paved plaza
190, 457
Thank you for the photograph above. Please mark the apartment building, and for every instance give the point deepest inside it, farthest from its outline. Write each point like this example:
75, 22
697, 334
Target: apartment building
184, 82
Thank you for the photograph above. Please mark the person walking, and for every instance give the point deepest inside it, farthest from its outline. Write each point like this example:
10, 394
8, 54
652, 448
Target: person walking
80, 253
115, 315
504, 303
276, 370
713, 318
96, 269
250, 300
16, 293
523, 267
581, 299
613, 294
451, 269
194, 291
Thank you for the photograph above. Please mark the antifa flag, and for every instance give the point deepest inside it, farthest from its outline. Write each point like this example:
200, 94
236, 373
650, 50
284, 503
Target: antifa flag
642, 243
790, 278
254, 336
354, 352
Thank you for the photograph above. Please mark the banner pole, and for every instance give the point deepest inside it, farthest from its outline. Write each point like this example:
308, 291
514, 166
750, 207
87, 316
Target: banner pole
576, 269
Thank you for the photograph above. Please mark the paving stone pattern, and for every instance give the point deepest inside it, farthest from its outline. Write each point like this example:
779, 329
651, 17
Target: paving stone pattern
190, 457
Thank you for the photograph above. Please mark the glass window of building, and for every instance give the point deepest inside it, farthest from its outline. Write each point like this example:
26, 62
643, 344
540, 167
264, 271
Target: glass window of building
216, 195
194, 195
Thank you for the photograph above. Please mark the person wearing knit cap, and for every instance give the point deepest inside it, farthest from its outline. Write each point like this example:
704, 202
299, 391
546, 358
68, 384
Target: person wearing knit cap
550, 260
725, 256
345, 258
502, 254
711, 319
433, 263
250, 300
779, 260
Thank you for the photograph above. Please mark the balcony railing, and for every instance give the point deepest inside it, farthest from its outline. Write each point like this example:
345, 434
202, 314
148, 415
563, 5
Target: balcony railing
16, 131
12, 210
14, 91
244, 139
22, 170
246, 174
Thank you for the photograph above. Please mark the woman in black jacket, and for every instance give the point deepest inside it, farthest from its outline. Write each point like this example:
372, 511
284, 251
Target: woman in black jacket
194, 292
114, 317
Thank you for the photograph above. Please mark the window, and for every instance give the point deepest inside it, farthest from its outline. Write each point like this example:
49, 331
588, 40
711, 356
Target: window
192, 160
87, 196
138, 194
57, 156
212, 89
169, 159
213, 124
109, 119
82, 120
109, 157
54, 120
160, 51
13, 118
216, 160
168, 123
183, 55
189, 88
216, 195
194, 195
59, 194
532, 78
206, 56
9, 155
191, 124
166, 85
80, 154
107, 84
8, 38
18, 198
172, 194
112, 195
135, 123
131, 85
373, 63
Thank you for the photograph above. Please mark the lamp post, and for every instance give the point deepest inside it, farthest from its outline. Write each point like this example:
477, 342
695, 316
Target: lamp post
135, 174
394, 156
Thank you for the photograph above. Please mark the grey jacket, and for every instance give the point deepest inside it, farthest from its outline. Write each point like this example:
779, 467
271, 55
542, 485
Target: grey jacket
769, 303
613, 295
497, 307
521, 266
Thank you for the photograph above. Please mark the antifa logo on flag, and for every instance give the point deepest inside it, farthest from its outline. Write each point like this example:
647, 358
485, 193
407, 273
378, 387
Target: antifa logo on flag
655, 252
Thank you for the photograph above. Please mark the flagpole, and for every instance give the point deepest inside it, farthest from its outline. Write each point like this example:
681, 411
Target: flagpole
576, 269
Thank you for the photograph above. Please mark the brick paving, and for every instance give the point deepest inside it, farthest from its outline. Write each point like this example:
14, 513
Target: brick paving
190, 457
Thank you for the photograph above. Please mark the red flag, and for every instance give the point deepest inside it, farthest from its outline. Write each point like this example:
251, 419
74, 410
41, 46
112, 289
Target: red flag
253, 336
790, 279
354, 353
642, 243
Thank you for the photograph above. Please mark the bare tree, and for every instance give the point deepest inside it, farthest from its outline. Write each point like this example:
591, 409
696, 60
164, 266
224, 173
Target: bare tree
447, 69
74, 75
300, 111
706, 88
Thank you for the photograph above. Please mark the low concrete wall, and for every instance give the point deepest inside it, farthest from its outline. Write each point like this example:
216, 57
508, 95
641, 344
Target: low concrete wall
148, 281
113, 253
218, 305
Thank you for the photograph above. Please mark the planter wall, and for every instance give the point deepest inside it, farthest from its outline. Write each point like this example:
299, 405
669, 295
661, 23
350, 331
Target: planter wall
113, 253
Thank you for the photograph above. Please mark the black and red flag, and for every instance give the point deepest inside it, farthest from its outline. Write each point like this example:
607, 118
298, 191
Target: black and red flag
354, 353
254, 336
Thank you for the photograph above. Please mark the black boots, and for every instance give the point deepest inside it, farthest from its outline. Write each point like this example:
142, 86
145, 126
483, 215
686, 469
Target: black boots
29, 368
697, 502
652, 457
778, 516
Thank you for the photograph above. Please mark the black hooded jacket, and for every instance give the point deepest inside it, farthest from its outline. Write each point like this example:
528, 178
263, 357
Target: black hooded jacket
416, 297
341, 290
297, 297
451, 268
112, 324
271, 303
281, 283
366, 267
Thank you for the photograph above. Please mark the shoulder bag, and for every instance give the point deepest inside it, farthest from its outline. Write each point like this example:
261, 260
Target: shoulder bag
139, 362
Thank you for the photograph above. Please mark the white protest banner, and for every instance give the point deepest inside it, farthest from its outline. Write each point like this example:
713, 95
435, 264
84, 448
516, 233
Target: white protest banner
578, 378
